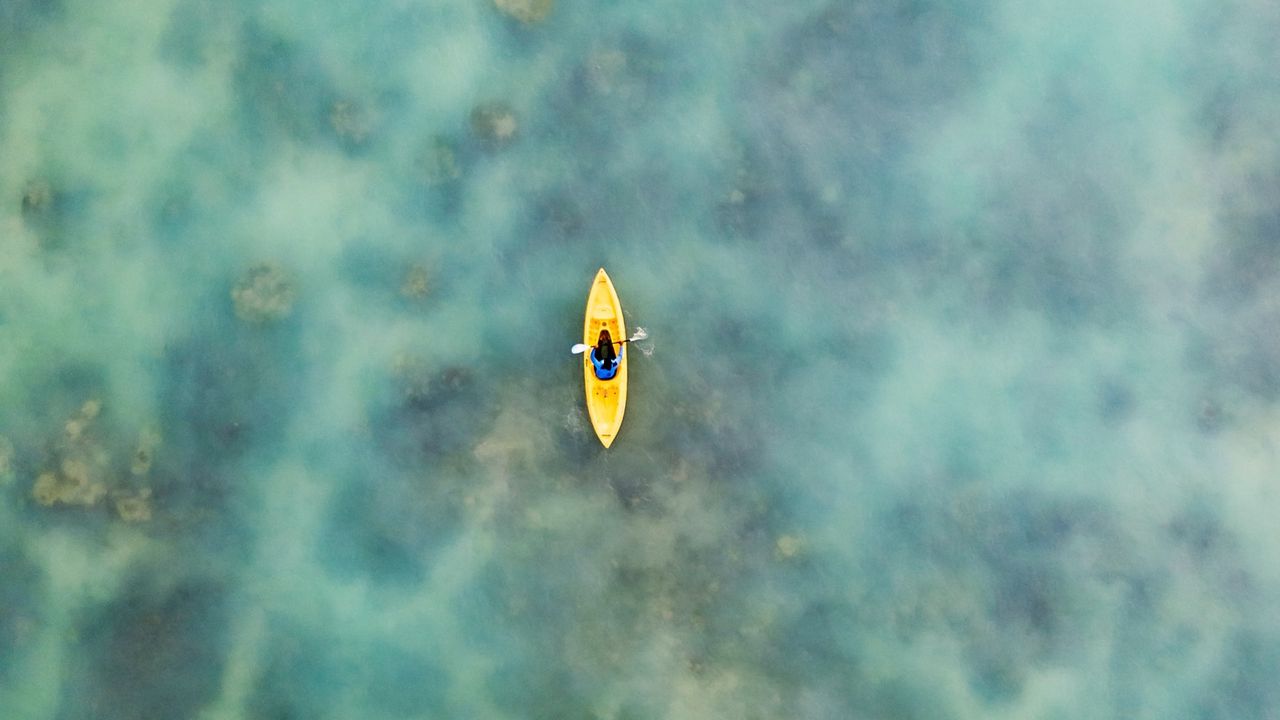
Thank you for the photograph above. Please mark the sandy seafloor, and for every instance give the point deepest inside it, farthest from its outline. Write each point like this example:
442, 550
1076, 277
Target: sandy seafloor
961, 397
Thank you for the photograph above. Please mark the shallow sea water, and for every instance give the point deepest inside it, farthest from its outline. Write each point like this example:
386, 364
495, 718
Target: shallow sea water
961, 396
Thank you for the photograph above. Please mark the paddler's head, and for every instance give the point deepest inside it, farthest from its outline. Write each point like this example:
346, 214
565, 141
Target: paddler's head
604, 347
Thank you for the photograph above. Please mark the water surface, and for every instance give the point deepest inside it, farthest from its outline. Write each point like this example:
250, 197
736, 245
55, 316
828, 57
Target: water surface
961, 397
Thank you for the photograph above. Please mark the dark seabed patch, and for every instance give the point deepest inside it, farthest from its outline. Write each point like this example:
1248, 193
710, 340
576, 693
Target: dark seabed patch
390, 526
227, 394
307, 672
19, 596
18, 19
1243, 687
155, 652
432, 412
284, 91
54, 207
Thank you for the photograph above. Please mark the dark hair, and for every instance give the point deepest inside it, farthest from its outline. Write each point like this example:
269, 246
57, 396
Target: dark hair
605, 347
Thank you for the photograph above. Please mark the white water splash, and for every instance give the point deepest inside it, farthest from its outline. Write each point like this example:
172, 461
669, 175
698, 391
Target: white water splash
642, 334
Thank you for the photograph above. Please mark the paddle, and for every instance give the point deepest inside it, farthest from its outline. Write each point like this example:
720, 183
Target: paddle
581, 348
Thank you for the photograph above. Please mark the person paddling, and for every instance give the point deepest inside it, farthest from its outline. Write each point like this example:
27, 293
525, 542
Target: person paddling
604, 358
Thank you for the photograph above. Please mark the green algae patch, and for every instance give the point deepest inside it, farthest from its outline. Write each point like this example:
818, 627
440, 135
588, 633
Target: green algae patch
6, 460
494, 124
528, 12
351, 122
439, 162
144, 452
37, 197
788, 546
416, 284
81, 466
74, 484
265, 294
84, 472
134, 507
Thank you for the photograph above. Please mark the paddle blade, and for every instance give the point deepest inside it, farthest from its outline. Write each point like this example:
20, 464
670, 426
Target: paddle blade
579, 349
640, 335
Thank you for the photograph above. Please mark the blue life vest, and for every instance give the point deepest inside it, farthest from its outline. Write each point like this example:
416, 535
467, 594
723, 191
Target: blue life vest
602, 372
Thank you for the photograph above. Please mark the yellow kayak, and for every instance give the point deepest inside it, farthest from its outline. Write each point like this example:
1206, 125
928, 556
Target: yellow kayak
606, 399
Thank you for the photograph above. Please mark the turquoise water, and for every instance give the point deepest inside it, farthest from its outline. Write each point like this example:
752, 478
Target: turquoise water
961, 397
